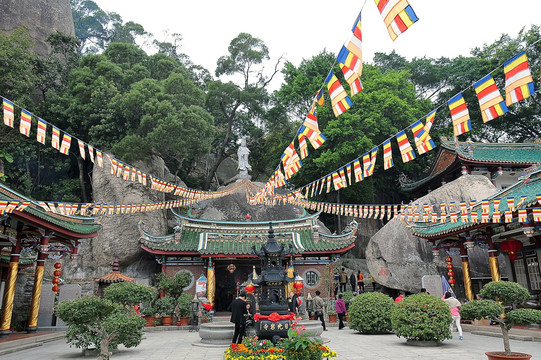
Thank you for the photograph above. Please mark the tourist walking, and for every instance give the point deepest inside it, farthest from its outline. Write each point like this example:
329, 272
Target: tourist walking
360, 281
353, 282
238, 310
372, 281
341, 311
293, 303
454, 306
343, 278
319, 307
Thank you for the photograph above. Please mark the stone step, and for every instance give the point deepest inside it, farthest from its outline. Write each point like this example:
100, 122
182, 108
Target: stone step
511, 336
11, 346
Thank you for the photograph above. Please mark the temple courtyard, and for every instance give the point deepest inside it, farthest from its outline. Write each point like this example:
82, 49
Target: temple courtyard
350, 345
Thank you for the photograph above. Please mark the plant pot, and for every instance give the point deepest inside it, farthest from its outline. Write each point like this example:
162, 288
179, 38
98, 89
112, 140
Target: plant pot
150, 320
167, 320
183, 321
332, 318
312, 317
500, 355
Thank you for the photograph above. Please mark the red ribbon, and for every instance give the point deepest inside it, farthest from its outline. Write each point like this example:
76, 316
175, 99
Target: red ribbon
274, 317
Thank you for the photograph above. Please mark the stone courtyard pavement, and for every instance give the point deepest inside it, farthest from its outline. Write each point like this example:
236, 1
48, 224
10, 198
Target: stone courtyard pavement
349, 345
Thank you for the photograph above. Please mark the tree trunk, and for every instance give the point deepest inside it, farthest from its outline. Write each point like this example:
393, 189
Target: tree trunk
505, 335
81, 166
104, 347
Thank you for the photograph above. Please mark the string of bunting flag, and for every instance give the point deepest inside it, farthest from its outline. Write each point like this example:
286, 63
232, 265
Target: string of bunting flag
117, 167
519, 85
398, 16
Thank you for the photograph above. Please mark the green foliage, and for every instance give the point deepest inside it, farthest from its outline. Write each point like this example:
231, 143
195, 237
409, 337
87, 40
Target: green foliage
301, 347
479, 309
100, 323
506, 292
370, 313
148, 311
421, 317
165, 305
173, 285
184, 304
128, 293
347, 296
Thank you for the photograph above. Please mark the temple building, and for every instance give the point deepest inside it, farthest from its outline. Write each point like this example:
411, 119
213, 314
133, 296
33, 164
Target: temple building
222, 250
30, 237
513, 227
502, 163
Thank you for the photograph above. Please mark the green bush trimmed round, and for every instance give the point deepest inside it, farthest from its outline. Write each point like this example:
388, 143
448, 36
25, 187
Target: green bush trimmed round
421, 317
370, 313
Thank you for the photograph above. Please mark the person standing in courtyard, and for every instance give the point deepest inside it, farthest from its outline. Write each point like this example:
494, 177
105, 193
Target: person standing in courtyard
372, 281
353, 282
319, 307
238, 312
341, 311
454, 306
360, 281
343, 278
293, 303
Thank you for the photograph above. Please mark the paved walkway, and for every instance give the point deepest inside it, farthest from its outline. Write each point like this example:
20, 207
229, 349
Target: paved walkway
349, 345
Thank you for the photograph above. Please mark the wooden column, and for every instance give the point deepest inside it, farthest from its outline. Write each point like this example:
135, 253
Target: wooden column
493, 262
211, 283
9, 291
466, 271
38, 281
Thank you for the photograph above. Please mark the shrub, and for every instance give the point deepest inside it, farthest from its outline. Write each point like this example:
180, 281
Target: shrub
129, 294
370, 313
173, 285
347, 296
421, 317
508, 293
165, 305
184, 305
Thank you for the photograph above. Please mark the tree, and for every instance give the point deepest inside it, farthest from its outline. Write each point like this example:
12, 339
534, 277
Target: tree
238, 108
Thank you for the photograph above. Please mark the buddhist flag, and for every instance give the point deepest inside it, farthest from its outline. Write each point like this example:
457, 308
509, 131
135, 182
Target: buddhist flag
8, 113
357, 170
348, 170
90, 152
337, 181
387, 155
310, 129
291, 161
536, 212
339, 98
518, 79
82, 149
342, 173
497, 204
373, 157
354, 45
319, 98
405, 147
42, 131
303, 146
99, 156
66, 143
351, 67
459, 115
423, 141
55, 138
328, 183
26, 122
397, 15
490, 100
511, 203
366, 165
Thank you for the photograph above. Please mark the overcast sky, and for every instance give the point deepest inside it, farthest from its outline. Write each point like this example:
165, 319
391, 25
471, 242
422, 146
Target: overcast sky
299, 29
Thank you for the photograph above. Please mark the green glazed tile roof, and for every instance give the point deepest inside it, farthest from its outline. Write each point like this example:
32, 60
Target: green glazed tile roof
220, 240
529, 187
77, 224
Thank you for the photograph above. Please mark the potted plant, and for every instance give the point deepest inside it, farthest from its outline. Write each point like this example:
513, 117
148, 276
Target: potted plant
149, 315
421, 319
370, 313
498, 295
183, 309
332, 316
166, 307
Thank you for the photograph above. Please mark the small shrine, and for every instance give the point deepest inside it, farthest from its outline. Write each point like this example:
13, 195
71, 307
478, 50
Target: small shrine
274, 318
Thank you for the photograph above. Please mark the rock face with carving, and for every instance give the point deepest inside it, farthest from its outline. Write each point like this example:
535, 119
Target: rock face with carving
398, 260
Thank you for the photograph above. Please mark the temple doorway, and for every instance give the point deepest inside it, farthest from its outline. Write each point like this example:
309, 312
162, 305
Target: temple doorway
229, 276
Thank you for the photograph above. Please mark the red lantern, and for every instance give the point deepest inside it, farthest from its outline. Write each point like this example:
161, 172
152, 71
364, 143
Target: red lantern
448, 259
56, 281
450, 267
511, 246
451, 281
57, 265
57, 273
451, 274
249, 288
56, 289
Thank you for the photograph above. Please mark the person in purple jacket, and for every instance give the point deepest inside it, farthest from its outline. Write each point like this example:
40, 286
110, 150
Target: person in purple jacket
341, 311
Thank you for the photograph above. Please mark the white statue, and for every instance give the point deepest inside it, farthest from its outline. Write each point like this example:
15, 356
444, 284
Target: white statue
242, 154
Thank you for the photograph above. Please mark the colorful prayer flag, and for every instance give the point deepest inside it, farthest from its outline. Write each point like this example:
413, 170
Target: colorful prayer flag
397, 15
319, 98
405, 147
9, 116
354, 44
490, 100
357, 170
100, 159
423, 141
90, 152
518, 79
55, 138
82, 149
26, 122
459, 115
310, 129
337, 181
351, 67
303, 146
387, 155
339, 98
42, 131
66, 143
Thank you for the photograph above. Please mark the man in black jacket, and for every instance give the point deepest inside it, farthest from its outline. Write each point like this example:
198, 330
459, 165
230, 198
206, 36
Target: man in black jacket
238, 310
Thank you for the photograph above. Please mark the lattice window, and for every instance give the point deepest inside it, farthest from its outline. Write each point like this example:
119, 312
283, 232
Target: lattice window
311, 278
521, 273
534, 272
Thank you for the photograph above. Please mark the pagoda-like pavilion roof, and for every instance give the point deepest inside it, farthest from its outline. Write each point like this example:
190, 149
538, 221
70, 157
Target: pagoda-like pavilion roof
477, 153
528, 186
225, 239
70, 227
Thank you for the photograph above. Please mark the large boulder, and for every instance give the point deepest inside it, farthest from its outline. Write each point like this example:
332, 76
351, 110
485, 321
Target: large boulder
399, 260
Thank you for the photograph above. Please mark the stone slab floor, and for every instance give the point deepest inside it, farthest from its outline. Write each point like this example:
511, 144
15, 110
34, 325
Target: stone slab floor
349, 345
